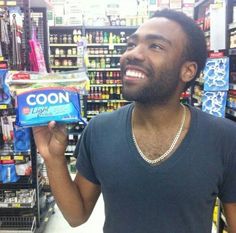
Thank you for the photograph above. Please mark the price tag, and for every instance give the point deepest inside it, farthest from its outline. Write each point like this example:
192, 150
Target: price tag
3, 205
16, 205
111, 46
19, 157
3, 106
71, 137
6, 157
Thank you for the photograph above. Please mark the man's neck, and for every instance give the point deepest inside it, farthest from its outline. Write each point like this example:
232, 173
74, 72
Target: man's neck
156, 117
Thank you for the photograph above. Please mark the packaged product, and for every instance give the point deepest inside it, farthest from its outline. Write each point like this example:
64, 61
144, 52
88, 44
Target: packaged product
41, 98
9, 172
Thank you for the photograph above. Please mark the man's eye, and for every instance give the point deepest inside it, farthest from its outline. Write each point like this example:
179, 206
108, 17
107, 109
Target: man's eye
156, 46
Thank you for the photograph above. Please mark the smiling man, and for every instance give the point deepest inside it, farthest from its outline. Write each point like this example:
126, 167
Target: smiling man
159, 164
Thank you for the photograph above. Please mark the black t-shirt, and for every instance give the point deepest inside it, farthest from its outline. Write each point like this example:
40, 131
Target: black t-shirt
176, 196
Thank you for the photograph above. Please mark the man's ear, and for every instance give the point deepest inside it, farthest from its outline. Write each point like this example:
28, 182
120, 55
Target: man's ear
188, 71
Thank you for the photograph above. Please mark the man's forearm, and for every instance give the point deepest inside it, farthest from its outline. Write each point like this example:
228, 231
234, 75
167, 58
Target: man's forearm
66, 193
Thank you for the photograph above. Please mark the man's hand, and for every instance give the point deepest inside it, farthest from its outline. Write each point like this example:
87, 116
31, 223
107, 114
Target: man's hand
51, 140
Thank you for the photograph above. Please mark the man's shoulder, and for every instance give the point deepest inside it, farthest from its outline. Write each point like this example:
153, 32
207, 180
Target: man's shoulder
220, 124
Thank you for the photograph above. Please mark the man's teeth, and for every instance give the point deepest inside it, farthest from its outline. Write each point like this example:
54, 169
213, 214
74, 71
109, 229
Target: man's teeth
135, 74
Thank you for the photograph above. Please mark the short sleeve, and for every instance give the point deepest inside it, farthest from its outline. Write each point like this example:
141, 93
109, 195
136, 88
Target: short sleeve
83, 163
228, 188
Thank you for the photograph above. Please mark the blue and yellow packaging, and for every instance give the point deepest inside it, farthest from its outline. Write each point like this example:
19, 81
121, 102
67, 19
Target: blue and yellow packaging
40, 106
41, 98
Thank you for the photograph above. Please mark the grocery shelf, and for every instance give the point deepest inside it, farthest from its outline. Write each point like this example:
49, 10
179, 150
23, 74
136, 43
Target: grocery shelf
45, 216
197, 97
105, 55
64, 67
21, 199
232, 86
25, 182
43, 3
63, 56
63, 45
105, 85
9, 155
199, 3
199, 82
106, 44
232, 26
207, 33
17, 205
77, 27
87, 27
232, 51
104, 69
17, 224
231, 112
107, 101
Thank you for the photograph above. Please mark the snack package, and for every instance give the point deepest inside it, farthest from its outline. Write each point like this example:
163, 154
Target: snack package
0, 171
41, 98
9, 172
5, 97
24, 168
21, 140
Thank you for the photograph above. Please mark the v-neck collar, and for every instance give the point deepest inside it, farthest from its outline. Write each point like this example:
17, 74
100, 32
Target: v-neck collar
180, 152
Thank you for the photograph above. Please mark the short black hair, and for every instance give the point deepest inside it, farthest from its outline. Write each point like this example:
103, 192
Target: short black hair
196, 49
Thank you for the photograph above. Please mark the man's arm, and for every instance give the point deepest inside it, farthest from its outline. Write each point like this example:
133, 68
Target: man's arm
76, 199
230, 214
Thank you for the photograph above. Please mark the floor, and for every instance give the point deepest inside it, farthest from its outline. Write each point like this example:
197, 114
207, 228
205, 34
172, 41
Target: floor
57, 224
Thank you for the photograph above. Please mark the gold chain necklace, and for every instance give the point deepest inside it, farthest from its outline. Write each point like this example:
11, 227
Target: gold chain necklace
163, 156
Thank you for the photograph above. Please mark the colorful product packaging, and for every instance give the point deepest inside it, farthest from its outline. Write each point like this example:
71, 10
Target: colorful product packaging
5, 97
21, 140
9, 172
43, 105
41, 98
0, 171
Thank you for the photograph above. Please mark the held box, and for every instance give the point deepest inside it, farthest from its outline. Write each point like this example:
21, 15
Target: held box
40, 106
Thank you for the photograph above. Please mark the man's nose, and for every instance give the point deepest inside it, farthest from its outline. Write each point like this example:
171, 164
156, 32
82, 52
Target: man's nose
136, 53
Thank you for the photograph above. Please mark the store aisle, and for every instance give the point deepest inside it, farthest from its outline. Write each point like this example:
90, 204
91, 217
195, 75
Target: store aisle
57, 224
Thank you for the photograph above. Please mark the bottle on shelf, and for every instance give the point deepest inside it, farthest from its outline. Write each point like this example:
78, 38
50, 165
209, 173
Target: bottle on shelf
51, 39
101, 37
75, 40
79, 35
111, 93
64, 39
55, 39
106, 93
122, 37
97, 37
105, 38
110, 40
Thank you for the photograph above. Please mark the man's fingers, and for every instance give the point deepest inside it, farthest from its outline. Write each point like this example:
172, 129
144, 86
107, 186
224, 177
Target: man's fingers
59, 132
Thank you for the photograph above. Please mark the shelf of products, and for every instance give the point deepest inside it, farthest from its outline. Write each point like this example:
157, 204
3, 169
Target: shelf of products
232, 86
74, 133
63, 48
17, 224
105, 46
202, 90
22, 198
20, 179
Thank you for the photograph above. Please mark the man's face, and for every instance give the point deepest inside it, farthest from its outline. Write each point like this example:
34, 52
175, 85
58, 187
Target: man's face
150, 67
